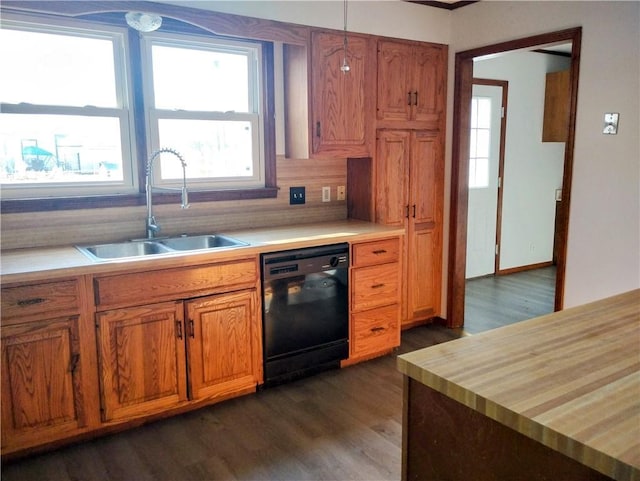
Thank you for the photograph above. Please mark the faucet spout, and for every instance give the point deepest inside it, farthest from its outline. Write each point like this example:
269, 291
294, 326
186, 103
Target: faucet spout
152, 226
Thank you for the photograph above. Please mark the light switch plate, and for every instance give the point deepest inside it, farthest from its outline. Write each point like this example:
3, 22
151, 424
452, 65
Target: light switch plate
610, 123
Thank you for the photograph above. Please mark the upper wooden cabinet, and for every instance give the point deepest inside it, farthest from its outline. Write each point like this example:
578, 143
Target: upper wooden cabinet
411, 83
342, 103
555, 126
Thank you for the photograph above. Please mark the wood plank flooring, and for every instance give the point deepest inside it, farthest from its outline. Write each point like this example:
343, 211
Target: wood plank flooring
496, 301
337, 425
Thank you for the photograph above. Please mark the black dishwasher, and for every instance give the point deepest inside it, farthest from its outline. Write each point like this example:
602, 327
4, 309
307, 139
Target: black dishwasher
305, 311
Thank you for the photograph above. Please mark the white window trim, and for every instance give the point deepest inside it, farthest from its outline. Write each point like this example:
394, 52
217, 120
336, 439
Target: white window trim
255, 118
118, 35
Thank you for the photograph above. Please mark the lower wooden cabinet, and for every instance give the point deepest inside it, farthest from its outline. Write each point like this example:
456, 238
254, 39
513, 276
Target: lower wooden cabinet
224, 345
41, 386
154, 358
375, 298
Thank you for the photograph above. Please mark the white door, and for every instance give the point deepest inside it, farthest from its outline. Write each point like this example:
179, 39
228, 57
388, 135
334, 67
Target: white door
484, 161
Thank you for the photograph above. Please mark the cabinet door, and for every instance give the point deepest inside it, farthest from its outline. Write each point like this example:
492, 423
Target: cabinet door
41, 390
429, 64
423, 273
424, 248
426, 178
224, 344
142, 359
395, 97
391, 173
341, 102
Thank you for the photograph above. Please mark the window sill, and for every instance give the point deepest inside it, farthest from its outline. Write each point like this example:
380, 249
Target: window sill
12, 206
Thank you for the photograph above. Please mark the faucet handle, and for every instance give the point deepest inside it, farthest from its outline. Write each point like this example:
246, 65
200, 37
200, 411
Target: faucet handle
185, 198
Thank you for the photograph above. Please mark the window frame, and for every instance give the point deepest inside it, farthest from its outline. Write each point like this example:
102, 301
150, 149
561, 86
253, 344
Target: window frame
139, 144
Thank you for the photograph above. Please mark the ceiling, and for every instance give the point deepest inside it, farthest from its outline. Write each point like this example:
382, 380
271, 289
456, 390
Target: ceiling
447, 4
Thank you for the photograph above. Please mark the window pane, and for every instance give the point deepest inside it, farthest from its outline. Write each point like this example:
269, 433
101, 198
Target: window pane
482, 144
51, 69
208, 80
59, 148
474, 113
484, 113
482, 172
211, 148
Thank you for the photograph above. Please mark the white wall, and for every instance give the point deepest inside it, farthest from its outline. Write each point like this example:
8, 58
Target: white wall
392, 18
604, 227
532, 168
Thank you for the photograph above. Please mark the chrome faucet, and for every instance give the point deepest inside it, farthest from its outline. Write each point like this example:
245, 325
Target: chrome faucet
152, 227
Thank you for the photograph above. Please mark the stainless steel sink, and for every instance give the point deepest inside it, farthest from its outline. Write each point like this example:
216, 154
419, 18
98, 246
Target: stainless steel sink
151, 247
121, 250
198, 242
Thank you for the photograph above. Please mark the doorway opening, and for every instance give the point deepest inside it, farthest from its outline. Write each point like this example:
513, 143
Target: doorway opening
460, 165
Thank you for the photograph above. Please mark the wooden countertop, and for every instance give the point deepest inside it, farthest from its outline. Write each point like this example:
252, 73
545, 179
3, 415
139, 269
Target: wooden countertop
25, 265
570, 380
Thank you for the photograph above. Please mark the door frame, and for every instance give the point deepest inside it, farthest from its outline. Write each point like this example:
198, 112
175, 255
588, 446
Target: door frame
460, 163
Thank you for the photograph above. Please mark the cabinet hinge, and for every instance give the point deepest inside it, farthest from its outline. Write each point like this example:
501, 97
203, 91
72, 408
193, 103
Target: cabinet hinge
499, 182
502, 112
497, 249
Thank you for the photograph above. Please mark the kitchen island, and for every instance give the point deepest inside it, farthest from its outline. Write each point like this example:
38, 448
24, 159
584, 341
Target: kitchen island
551, 398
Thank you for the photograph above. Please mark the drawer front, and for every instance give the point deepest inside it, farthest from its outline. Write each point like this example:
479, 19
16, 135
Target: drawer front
377, 252
375, 330
40, 300
171, 284
375, 286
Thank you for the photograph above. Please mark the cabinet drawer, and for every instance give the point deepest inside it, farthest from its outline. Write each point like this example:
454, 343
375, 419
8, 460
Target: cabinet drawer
378, 252
376, 330
169, 284
40, 300
375, 286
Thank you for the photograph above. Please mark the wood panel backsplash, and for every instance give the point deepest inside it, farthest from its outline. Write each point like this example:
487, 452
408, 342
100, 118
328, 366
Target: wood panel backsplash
44, 229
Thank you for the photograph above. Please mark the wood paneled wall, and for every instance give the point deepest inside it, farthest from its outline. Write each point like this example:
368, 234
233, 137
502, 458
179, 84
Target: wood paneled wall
43, 229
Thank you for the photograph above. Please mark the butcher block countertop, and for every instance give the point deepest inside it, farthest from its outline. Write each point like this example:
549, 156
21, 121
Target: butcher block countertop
569, 380
25, 265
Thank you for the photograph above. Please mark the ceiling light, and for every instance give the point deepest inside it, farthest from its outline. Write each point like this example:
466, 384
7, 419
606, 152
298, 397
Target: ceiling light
143, 22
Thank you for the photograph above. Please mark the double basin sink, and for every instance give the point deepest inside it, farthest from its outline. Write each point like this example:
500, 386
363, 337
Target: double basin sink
151, 247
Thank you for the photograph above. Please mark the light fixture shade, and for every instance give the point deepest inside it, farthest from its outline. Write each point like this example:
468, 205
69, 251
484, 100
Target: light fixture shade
143, 22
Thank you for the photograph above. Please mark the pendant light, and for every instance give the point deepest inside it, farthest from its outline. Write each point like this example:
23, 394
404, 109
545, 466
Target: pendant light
345, 65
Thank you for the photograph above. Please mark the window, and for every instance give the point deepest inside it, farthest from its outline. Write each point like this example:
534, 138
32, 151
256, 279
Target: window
480, 142
68, 128
203, 99
65, 125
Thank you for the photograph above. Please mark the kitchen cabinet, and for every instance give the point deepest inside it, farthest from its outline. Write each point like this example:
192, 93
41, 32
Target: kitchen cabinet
411, 83
409, 168
46, 375
375, 298
224, 344
201, 343
555, 126
341, 102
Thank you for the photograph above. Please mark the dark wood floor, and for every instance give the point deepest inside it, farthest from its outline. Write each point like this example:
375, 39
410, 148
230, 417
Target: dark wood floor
337, 425
496, 301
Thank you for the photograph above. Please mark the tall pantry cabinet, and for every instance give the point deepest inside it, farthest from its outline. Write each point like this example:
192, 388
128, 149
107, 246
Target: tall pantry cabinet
409, 165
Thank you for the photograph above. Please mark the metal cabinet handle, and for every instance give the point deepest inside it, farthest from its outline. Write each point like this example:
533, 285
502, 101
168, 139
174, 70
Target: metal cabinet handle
31, 302
406, 211
73, 364
317, 129
380, 251
414, 211
415, 97
377, 329
377, 286
192, 330
408, 98
179, 329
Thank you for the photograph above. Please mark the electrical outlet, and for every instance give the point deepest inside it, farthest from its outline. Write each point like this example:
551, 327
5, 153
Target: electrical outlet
297, 195
340, 195
326, 194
